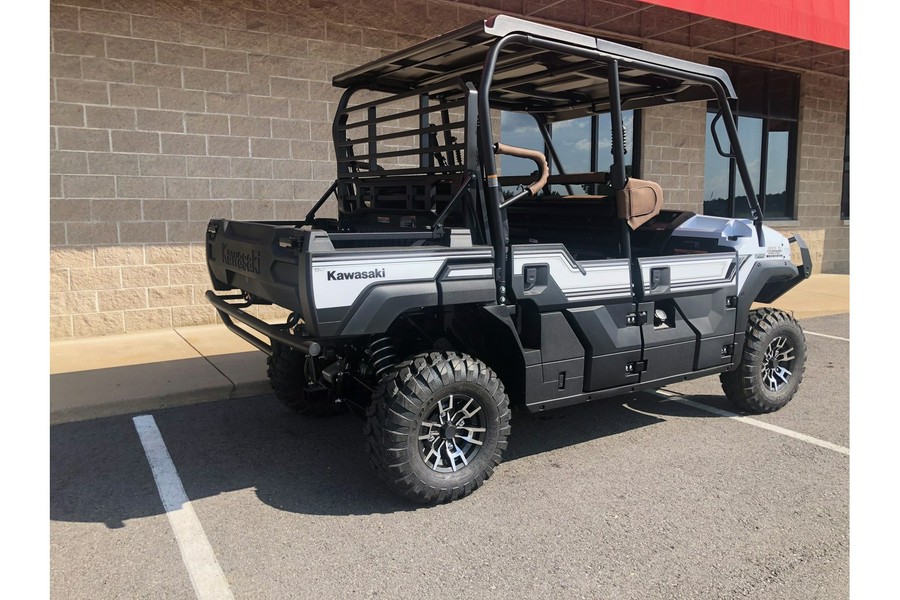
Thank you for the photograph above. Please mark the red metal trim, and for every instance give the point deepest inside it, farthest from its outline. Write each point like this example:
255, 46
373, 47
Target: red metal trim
823, 21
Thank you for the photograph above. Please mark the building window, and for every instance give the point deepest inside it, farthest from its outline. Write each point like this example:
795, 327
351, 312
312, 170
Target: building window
766, 113
584, 145
845, 181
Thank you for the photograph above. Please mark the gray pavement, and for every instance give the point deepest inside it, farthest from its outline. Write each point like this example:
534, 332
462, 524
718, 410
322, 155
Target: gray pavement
633, 497
629, 498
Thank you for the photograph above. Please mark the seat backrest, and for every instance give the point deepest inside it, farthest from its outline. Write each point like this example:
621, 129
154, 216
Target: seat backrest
639, 202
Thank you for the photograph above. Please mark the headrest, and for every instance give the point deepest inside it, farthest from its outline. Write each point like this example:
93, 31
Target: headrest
639, 202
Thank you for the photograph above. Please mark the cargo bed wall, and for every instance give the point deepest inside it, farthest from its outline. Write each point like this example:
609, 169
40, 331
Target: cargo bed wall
346, 291
257, 258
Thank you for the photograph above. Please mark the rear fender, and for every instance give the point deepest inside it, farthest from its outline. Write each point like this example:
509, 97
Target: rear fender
496, 342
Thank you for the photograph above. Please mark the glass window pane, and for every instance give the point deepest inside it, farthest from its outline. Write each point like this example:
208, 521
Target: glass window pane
764, 96
715, 172
517, 129
750, 85
777, 203
845, 182
750, 130
783, 92
628, 121
572, 141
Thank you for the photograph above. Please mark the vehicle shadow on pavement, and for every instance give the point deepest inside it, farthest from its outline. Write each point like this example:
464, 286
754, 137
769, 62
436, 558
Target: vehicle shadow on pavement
670, 408
98, 471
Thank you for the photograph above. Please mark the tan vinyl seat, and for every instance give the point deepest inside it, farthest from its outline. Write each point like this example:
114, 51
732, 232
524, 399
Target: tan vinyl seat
639, 202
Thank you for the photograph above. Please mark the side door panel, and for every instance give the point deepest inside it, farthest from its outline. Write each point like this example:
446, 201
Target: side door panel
590, 299
611, 344
690, 323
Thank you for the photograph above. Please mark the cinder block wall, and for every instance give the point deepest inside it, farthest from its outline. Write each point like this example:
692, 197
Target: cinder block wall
823, 113
166, 113
673, 140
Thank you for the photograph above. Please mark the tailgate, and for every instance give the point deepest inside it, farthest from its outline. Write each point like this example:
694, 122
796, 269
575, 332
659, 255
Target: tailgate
260, 258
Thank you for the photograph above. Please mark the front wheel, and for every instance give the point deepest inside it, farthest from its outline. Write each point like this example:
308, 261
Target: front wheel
772, 364
437, 426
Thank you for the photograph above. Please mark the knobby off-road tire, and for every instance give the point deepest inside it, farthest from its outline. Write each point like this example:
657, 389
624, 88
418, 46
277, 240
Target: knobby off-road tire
285, 370
437, 426
772, 364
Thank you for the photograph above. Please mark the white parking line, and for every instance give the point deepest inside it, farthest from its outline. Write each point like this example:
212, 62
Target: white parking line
724, 413
206, 575
825, 335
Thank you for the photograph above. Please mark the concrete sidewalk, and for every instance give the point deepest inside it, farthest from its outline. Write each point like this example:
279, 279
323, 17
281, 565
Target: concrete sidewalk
105, 376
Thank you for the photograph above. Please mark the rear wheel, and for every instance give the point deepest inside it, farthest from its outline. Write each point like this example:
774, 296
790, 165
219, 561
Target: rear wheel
437, 426
772, 364
287, 375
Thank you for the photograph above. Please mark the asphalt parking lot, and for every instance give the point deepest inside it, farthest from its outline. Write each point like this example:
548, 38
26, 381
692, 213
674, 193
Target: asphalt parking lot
650, 496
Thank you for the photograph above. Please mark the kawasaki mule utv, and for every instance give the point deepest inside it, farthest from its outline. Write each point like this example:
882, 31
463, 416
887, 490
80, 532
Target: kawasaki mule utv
438, 297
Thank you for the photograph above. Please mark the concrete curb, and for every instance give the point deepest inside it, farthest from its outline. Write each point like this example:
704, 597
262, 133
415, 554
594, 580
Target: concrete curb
127, 406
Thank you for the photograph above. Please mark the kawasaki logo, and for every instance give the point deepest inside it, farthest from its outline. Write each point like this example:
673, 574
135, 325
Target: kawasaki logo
245, 261
344, 275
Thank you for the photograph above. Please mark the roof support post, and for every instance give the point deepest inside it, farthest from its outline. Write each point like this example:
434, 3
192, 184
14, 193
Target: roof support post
617, 171
498, 224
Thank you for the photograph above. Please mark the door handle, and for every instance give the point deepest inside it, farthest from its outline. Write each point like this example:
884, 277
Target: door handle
659, 278
530, 277
535, 277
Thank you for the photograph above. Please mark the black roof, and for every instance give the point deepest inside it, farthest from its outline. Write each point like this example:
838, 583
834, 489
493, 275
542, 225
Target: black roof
528, 78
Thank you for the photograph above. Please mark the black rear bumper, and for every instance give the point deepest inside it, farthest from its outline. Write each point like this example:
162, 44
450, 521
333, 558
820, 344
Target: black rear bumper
276, 333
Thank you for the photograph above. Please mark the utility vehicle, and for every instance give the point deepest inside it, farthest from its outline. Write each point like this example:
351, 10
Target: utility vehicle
435, 300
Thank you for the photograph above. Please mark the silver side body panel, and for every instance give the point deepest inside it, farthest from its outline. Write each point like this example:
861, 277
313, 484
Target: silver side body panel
339, 278
600, 279
691, 273
740, 235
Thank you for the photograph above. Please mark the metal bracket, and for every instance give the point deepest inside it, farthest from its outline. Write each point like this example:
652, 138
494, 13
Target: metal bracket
292, 243
636, 319
636, 367
731, 302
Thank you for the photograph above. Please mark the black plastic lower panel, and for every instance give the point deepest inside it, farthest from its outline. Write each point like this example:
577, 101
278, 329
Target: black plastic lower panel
710, 353
622, 390
669, 360
609, 342
561, 372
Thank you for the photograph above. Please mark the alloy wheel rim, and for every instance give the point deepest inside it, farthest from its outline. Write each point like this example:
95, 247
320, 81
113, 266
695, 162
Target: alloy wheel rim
452, 433
778, 361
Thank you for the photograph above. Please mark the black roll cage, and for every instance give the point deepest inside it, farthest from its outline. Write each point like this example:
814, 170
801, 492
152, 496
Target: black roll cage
476, 172
617, 178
